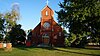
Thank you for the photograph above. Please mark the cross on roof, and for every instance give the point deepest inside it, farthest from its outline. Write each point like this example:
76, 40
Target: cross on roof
47, 2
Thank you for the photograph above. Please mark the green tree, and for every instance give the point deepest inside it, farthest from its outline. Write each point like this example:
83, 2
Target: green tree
11, 19
8, 20
1, 27
17, 35
82, 17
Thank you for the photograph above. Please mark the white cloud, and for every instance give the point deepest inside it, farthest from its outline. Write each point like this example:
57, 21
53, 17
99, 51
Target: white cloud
15, 4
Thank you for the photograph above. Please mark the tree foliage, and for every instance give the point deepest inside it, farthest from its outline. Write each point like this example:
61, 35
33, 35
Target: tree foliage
7, 21
82, 17
1, 27
17, 35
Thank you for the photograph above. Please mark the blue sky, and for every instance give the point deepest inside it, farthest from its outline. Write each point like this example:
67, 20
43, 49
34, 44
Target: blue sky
30, 10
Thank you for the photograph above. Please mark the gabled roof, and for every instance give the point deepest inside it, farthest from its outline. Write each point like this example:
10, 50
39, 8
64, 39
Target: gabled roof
38, 26
47, 7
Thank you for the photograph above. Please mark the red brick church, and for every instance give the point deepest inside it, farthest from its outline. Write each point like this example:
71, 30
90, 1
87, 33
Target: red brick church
47, 32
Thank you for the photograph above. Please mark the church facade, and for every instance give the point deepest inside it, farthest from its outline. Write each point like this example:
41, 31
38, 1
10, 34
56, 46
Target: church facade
47, 32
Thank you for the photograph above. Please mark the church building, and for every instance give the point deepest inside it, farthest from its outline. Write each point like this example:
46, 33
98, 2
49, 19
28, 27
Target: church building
47, 32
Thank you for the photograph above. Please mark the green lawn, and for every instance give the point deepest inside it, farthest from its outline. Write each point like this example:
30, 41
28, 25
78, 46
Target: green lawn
21, 51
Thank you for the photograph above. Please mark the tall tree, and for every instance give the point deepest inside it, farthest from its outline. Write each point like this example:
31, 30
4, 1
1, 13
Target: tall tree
11, 18
82, 17
17, 35
1, 27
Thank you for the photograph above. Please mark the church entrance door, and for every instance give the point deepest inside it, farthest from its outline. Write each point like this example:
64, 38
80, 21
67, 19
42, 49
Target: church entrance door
45, 39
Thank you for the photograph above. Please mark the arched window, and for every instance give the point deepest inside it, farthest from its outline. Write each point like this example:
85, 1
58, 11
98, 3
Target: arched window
45, 35
46, 13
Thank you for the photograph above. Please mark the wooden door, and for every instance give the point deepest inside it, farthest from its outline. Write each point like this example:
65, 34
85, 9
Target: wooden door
45, 40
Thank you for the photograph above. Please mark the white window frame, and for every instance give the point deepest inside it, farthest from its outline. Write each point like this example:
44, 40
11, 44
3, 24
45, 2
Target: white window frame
46, 13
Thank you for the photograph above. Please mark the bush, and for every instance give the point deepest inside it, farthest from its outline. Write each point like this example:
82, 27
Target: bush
67, 42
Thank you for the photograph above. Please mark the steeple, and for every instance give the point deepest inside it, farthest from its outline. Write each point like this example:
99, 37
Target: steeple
47, 12
47, 2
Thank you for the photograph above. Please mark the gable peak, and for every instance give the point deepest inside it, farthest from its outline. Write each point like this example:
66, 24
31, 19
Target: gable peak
47, 7
47, 11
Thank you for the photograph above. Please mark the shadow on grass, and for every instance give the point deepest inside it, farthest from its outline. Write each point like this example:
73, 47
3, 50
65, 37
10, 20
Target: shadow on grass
92, 48
82, 48
51, 48
54, 48
21, 47
77, 52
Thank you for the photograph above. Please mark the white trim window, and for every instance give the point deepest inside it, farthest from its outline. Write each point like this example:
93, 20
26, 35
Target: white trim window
46, 13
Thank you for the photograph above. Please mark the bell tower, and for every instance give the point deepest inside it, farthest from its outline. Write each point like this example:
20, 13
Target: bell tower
46, 24
47, 17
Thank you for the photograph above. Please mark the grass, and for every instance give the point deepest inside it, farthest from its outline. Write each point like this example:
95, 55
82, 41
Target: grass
22, 51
